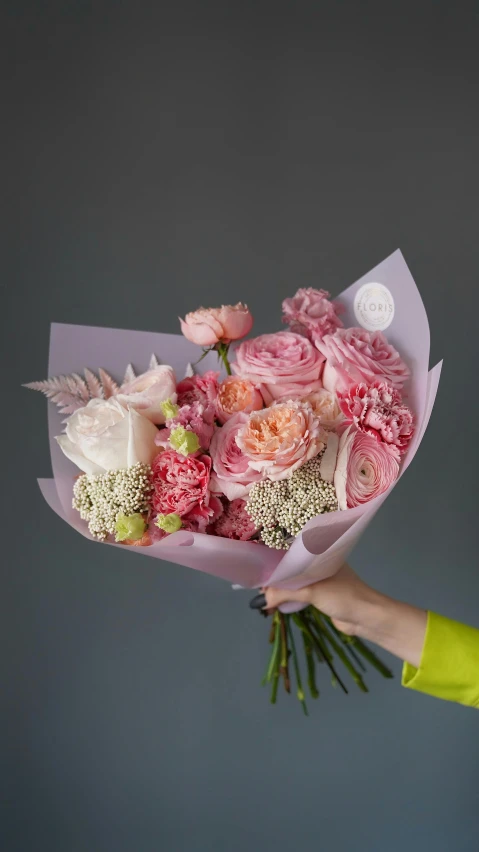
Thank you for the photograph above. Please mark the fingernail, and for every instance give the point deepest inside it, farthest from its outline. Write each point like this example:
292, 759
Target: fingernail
258, 602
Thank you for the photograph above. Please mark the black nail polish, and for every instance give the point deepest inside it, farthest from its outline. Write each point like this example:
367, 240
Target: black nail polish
258, 602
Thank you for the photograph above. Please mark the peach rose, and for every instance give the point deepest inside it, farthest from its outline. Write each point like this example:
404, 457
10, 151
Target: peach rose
278, 440
235, 395
146, 393
209, 326
326, 407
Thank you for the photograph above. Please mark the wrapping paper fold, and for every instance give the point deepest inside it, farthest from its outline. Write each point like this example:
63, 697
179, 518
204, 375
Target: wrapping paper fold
327, 540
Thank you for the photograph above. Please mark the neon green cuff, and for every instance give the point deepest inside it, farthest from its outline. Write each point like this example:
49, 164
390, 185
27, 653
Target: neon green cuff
449, 667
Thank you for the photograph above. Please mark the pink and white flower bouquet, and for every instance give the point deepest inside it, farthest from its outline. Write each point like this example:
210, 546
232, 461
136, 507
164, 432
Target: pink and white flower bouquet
262, 467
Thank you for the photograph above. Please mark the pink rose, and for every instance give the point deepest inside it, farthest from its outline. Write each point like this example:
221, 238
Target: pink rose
284, 365
236, 394
209, 326
233, 475
235, 522
280, 439
365, 468
311, 313
181, 484
148, 391
202, 389
379, 411
354, 355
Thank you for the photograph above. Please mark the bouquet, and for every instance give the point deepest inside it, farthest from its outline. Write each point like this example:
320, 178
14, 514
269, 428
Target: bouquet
260, 460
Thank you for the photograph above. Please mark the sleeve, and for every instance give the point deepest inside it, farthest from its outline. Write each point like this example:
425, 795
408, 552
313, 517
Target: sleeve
449, 667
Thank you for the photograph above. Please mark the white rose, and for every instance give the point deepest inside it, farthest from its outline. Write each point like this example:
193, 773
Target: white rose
105, 436
148, 391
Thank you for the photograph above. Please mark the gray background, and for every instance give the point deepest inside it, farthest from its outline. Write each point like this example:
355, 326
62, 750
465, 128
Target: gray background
162, 155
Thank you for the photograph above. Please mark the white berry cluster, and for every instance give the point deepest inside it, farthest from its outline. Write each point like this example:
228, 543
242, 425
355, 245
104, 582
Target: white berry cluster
281, 509
100, 499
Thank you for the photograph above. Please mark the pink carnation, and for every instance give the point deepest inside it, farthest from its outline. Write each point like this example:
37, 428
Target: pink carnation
379, 411
311, 314
202, 389
235, 522
181, 485
354, 355
197, 418
232, 474
283, 365
365, 468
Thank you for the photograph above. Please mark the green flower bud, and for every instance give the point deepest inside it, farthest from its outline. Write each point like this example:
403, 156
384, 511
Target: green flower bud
129, 526
169, 523
169, 409
184, 441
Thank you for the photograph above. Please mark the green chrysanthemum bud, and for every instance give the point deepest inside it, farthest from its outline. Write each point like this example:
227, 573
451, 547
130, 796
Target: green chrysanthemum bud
169, 409
129, 527
184, 441
169, 523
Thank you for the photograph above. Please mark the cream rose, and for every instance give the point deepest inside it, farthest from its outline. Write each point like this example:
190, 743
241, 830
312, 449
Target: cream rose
106, 436
148, 391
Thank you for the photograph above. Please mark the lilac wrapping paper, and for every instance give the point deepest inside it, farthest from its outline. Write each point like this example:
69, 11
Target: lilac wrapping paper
327, 540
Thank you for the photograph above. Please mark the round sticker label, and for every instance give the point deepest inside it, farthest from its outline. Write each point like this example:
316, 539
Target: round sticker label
374, 306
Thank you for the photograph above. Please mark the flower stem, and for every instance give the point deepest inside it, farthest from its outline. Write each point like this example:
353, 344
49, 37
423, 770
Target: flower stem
341, 653
222, 350
297, 670
284, 669
275, 652
308, 650
316, 636
368, 655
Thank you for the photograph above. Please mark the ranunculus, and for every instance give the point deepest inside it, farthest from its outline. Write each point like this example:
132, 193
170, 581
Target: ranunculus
311, 313
181, 487
365, 468
148, 391
354, 355
326, 407
282, 438
235, 522
232, 474
209, 326
234, 395
202, 389
379, 411
283, 365
106, 436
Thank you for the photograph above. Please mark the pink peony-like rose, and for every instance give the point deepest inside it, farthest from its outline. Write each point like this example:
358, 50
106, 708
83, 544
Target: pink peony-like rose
202, 389
365, 468
232, 473
280, 439
311, 313
197, 418
283, 365
326, 407
209, 326
146, 393
181, 485
379, 411
236, 394
354, 355
235, 522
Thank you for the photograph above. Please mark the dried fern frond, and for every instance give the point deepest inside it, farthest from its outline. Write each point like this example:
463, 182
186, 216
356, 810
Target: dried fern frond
72, 392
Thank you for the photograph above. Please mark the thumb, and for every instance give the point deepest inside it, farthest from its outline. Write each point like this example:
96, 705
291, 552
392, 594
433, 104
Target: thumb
277, 597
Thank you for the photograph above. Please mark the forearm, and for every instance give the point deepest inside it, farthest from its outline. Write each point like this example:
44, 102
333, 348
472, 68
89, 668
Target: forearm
397, 627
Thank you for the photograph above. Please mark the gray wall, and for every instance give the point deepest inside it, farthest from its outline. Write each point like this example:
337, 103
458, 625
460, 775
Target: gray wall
160, 155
